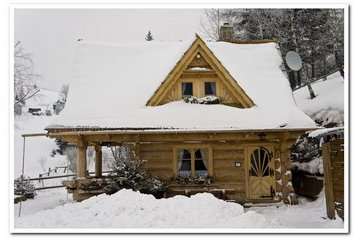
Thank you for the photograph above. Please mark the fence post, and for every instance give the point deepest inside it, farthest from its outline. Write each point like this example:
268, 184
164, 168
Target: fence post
328, 182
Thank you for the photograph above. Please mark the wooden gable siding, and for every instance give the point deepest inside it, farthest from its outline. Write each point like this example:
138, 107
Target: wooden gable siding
170, 89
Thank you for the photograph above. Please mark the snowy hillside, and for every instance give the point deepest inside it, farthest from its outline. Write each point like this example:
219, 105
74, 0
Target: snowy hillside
328, 106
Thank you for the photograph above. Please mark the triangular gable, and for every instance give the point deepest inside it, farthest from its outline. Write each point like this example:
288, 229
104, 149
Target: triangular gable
199, 56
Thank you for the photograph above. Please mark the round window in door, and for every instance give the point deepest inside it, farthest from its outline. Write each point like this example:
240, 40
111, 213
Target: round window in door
261, 177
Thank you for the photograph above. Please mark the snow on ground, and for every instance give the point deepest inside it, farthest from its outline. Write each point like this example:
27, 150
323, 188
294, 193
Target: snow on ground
128, 209
45, 199
309, 214
329, 102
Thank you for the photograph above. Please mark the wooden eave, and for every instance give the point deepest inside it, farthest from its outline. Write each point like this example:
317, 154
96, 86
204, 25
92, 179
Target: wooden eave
199, 45
53, 133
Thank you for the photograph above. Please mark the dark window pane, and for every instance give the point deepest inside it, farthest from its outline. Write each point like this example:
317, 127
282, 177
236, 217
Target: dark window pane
187, 89
210, 88
198, 154
199, 165
185, 165
186, 154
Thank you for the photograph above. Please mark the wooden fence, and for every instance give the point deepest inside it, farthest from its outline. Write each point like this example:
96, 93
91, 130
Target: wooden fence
333, 164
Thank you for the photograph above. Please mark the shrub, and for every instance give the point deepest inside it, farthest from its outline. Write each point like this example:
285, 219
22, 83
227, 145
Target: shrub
305, 149
203, 100
24, 187
130, 173
207, 180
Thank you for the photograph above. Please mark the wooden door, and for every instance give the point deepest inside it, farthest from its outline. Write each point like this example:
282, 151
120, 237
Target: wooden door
260, 173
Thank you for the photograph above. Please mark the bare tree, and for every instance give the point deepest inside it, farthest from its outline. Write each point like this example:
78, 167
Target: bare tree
24, 78
210, 27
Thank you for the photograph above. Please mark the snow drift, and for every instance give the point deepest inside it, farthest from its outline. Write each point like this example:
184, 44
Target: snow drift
128, 209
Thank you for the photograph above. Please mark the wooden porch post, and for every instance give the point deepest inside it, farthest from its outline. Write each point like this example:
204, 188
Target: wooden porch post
288, 193
81, 160
98, 161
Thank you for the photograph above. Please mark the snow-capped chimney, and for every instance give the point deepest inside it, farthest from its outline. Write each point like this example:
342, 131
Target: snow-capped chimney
226, 32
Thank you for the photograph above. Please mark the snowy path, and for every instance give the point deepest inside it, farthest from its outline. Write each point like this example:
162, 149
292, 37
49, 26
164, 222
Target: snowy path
308, 214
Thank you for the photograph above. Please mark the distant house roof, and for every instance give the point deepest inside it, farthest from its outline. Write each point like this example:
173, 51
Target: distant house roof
113, 83
44, 98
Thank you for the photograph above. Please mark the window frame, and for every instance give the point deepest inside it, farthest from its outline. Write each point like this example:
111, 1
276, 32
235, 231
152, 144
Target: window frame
192, 149
206, 95
192, 89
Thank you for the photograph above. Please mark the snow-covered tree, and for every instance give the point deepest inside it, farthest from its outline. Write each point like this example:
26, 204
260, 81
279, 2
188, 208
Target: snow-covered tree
130, 173
24, 78
335, 25
305, 149
316, 34
61, 102
149, 36
24, 187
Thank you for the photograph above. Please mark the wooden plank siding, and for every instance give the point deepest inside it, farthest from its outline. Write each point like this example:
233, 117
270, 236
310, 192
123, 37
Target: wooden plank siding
158, 159
333, 164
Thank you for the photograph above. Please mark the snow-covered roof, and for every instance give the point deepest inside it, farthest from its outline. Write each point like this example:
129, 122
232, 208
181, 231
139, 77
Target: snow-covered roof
112, 84
43, 98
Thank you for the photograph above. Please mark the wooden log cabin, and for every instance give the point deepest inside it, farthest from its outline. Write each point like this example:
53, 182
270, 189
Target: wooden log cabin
133, 93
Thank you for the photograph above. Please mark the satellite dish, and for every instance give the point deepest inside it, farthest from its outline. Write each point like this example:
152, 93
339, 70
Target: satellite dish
294, 61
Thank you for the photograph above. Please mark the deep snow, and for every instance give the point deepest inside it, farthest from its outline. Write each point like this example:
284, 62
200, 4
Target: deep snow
128, 209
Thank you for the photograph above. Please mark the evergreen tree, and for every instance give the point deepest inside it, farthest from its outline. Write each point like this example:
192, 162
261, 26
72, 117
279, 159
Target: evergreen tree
24, 187
335, 25
149, 36
130, 173
305, 149
316, 34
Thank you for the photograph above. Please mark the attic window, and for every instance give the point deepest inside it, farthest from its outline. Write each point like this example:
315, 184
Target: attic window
210, 89
187, 89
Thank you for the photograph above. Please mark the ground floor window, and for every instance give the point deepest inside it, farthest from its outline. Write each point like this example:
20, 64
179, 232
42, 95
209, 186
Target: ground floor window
193, 162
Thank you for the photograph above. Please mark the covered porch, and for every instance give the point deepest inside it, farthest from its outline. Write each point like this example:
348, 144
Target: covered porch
160, 149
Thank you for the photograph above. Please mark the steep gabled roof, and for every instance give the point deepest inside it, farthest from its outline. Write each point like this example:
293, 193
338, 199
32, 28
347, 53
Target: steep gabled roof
113, 86
199, 47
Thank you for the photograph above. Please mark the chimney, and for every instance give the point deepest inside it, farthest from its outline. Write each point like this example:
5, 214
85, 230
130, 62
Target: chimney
226, 32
